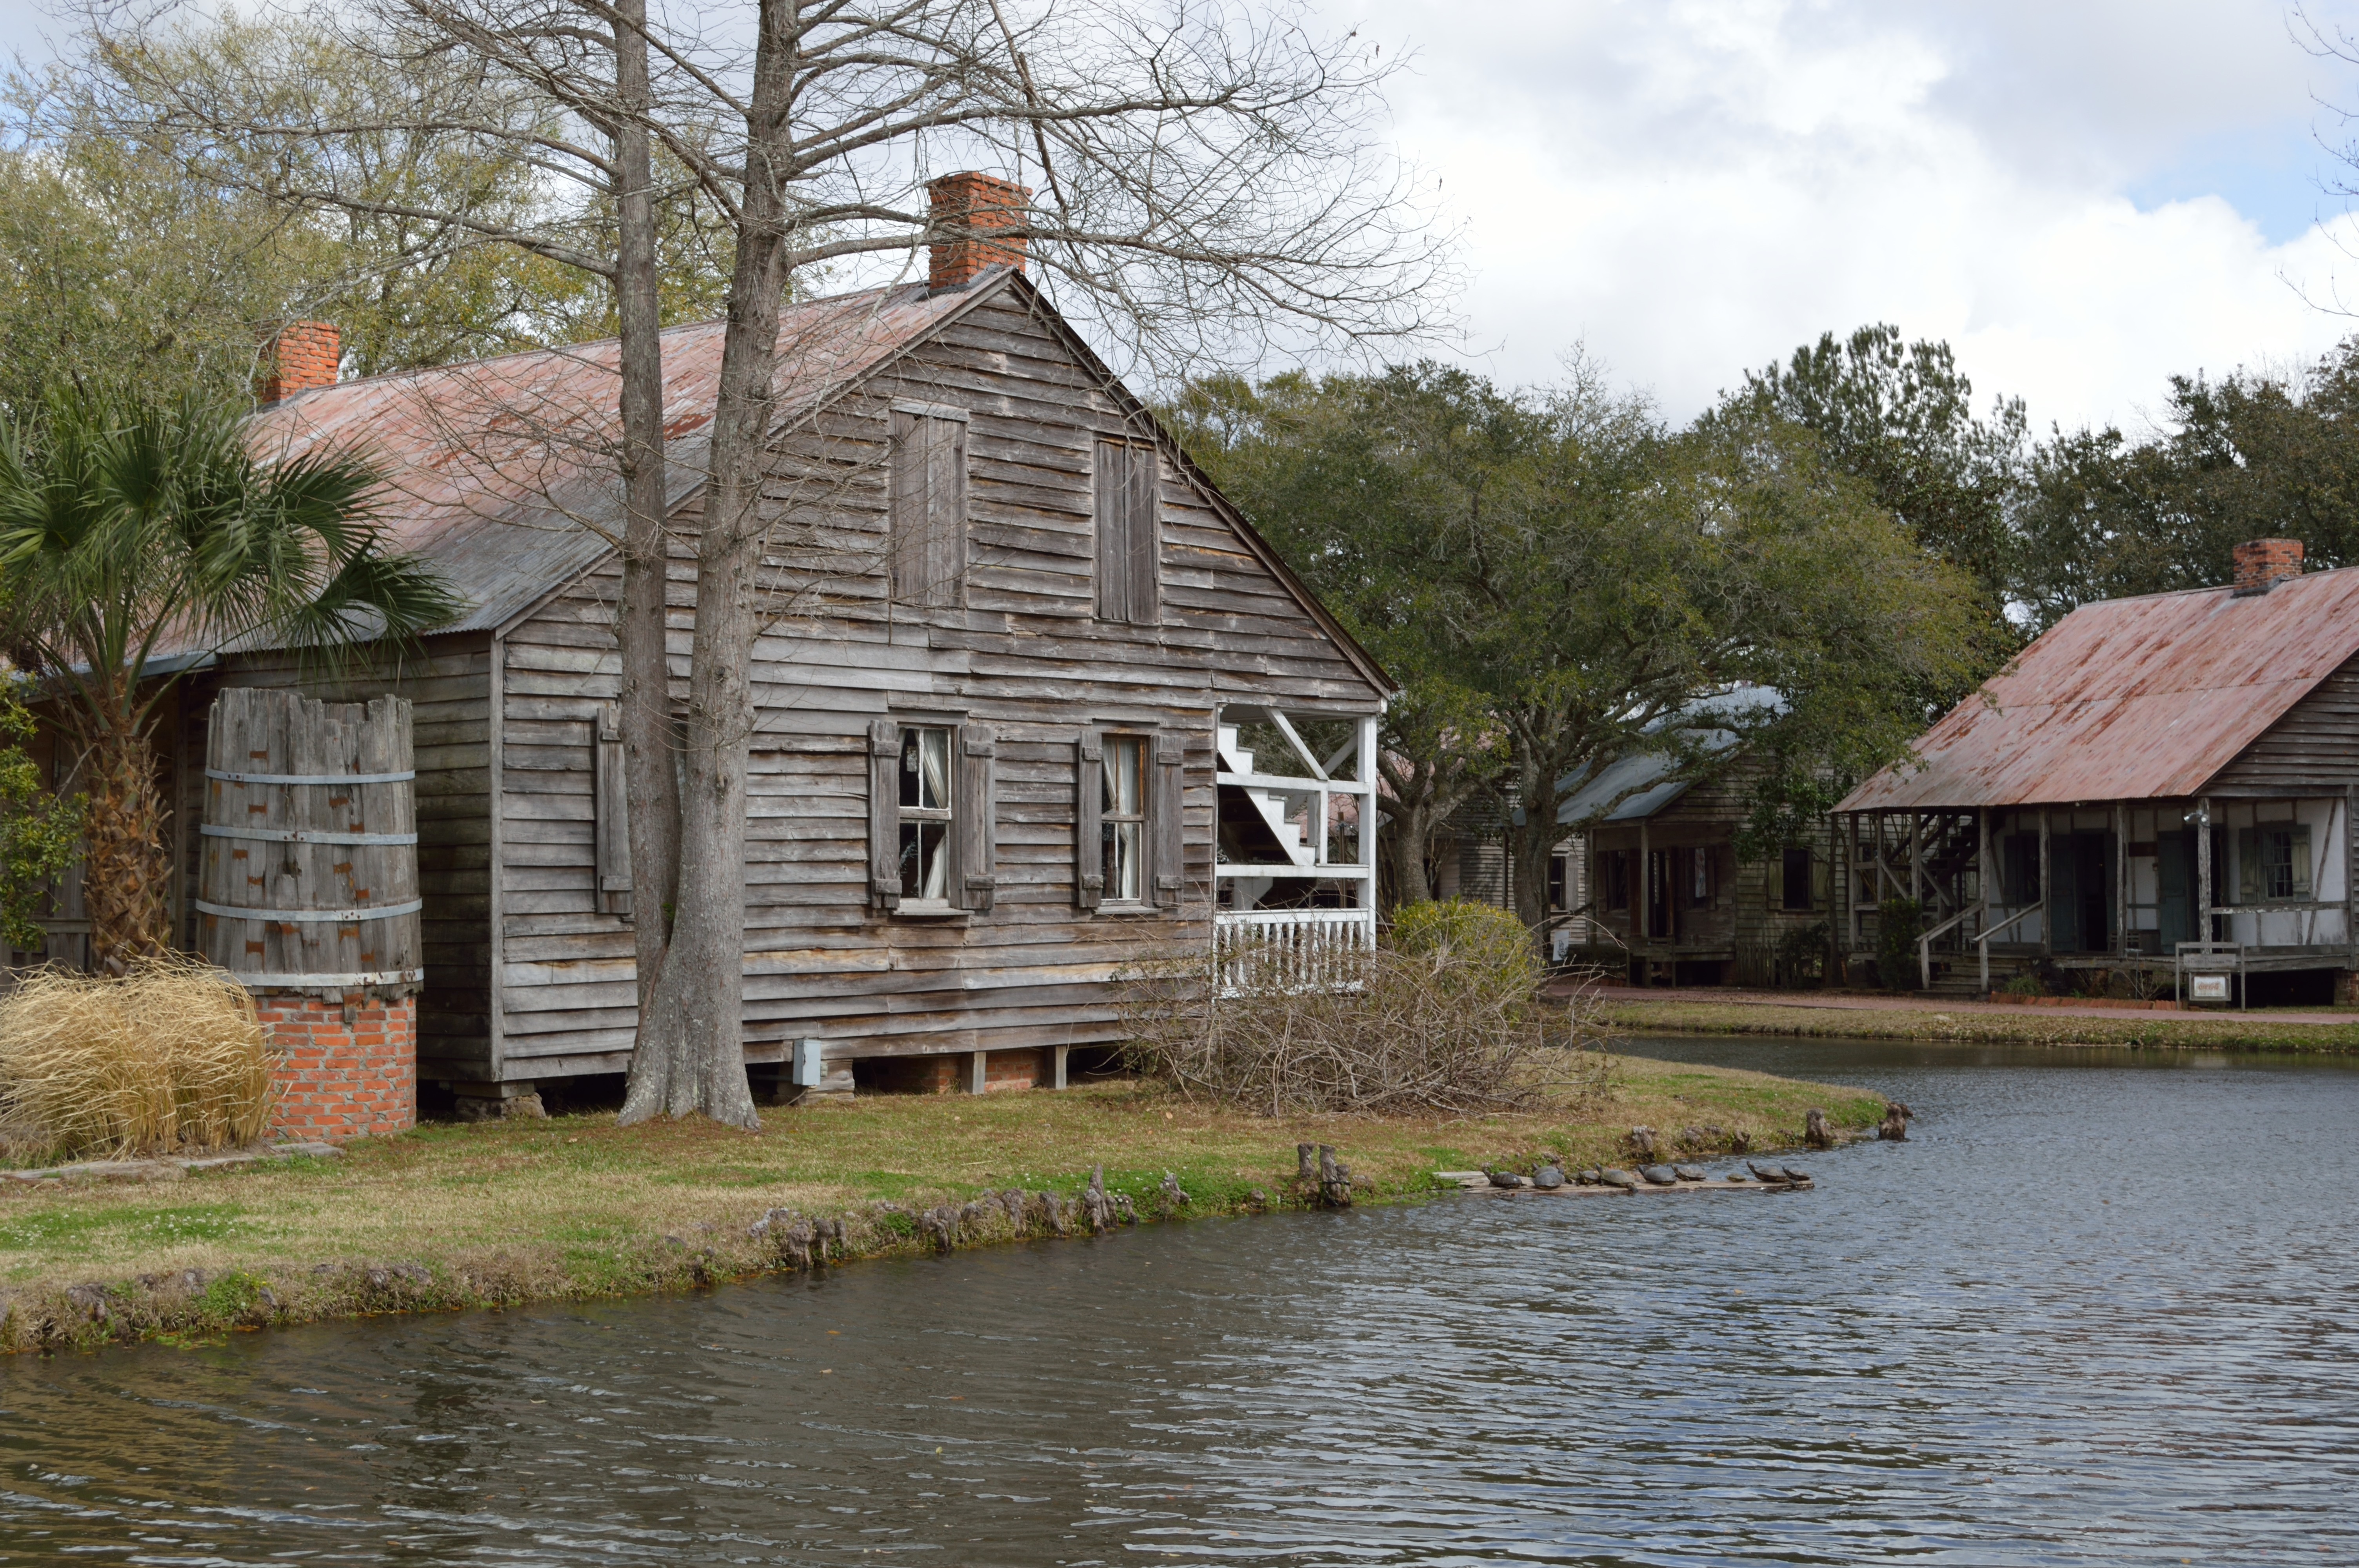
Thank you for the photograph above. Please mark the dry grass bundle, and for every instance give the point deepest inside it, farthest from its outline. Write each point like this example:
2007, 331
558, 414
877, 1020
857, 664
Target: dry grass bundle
169, 1057
1449, 1018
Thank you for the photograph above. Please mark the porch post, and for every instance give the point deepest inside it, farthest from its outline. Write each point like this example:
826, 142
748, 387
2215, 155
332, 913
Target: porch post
2203, 869
2122, 878
1370, 818
1646, 931
1983, 881
2349, 893
2047, 903
1850, 887
1916, 859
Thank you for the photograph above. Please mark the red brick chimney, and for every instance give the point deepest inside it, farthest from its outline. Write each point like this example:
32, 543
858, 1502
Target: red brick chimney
303, 355
976, 221
2262, 564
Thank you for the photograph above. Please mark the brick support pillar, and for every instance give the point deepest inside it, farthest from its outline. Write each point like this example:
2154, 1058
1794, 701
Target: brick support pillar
1011, 1070
338, 1080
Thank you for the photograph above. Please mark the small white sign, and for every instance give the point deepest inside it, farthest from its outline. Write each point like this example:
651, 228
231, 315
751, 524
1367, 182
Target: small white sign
2207, 987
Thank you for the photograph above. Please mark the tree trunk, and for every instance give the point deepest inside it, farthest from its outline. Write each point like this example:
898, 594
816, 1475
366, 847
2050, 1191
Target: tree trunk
1531, 842
649, 774
1407, 838
1410, 845
126, 871
704, 979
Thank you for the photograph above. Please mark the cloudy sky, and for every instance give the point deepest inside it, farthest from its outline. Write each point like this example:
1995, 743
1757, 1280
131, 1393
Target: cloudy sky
2082, 196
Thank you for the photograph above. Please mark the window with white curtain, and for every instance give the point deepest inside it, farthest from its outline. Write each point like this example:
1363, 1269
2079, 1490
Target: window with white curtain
1122, 819
926, 806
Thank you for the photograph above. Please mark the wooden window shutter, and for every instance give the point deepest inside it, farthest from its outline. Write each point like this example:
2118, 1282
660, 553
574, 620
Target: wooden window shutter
883, 813
612, 806
1113, 537
2248, 866
946, 510
1167, 862
1089, 788
907, 546
2301, 856
1143, 536
927, 549
975, 817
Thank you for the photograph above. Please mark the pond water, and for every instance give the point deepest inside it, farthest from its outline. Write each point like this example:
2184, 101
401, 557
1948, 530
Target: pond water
2098, 1311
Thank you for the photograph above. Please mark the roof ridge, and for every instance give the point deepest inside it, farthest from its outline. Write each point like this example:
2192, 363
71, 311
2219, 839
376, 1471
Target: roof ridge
382, 377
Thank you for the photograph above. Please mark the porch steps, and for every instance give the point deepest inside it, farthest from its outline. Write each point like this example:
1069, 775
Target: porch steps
1234, 759
1960, 978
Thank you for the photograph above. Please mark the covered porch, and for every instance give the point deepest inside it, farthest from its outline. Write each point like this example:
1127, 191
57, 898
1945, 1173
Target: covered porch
1294, 869
2166, 889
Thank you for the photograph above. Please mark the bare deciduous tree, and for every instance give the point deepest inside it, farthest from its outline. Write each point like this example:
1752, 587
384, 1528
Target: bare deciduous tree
1205, 177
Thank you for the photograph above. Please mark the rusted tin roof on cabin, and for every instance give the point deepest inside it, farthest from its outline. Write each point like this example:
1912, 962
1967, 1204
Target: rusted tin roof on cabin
2131, 699
502, 469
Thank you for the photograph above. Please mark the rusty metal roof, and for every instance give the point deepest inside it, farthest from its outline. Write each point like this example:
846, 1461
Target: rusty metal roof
2131, 699
502, 469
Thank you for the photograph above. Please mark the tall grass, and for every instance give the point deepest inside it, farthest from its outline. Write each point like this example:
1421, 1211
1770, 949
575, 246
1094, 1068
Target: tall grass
168, 1059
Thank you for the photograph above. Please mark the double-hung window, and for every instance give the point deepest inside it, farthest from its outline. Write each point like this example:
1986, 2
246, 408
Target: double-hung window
934, 808
2273, 864
926, 815
1128, 848
1122, 819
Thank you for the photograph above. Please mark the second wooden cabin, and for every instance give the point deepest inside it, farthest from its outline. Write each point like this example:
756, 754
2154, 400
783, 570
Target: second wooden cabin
2155, 797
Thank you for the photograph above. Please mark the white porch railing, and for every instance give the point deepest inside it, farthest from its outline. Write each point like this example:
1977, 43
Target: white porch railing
1291, 949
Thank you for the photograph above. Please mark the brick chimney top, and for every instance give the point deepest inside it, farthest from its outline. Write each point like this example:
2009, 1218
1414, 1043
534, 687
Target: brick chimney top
2262, 564
976, 221
301, 356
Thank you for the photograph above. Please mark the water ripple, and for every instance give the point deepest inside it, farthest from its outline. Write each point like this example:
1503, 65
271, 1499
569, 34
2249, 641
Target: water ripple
2099, 1312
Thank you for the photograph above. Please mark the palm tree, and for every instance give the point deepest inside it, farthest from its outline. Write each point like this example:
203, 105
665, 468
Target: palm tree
136, 534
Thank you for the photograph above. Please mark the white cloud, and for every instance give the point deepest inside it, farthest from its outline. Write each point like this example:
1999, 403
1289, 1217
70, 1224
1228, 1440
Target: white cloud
1695, 188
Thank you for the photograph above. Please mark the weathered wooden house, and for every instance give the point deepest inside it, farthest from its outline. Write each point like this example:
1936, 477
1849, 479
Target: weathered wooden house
1669, 898
1035, 701
2160, 787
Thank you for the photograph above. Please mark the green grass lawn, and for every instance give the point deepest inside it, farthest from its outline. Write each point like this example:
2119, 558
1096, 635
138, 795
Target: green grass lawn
493, 1212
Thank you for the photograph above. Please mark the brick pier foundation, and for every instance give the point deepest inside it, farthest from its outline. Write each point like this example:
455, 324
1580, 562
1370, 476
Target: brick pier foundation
954, 1072
336, 1080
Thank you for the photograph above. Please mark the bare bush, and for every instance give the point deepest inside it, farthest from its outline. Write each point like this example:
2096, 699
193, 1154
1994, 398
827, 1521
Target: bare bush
1446, 1027
170, 1056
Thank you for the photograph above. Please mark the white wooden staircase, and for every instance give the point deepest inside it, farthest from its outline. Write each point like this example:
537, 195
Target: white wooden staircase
1269, 803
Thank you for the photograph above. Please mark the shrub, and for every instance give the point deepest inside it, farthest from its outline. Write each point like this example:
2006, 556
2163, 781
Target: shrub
171, 1055
2026, 985
1447, 1016
1802, 954
1898, 922
1483, 946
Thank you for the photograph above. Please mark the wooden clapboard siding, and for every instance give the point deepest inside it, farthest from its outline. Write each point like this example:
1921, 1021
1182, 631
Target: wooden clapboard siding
447, 685
1023, 654
1745, 915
